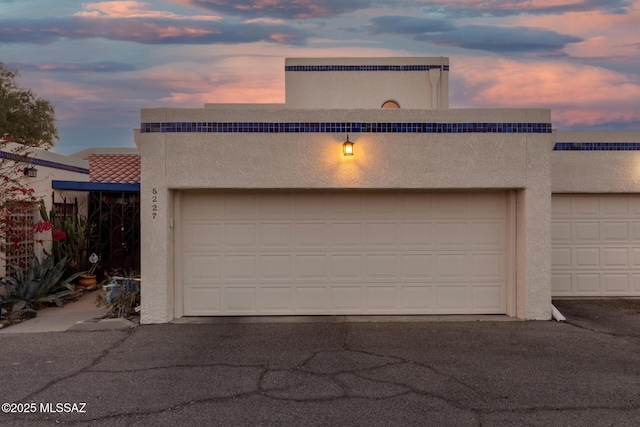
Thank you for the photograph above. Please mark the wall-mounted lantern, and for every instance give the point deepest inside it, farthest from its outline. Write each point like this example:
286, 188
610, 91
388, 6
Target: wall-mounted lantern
31, 172
347, 147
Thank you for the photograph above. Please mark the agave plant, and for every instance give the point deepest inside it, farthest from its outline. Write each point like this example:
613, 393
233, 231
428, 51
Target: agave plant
42, 283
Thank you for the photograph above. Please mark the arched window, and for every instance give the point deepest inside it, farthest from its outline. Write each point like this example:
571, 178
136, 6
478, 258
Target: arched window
390, 104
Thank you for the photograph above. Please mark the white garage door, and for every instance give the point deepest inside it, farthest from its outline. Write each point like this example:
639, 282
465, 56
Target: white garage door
595, 245
343, 253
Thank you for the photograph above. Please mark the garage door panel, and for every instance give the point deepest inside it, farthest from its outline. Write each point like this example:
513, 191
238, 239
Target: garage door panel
276, 235
201, 267
635, 231
450, 206
487, 298
615, 283
418, 299
347, 267
241, 206
488, 266
204, 300
454, 299
450, 266
379, 206
311, 299
381, 266
487, 206
586, 231
561, 232
488, 234
615, 231
240, 235
311, 267
202, 235
382, 298
276, 206
346, 298
344, 253
604, 245
615, 257
561, 283
561, 258
239, 299
615, 206
417, 266
415, 206
586, 207
239, 267
276, 267
416, 234
635, 284
346, 205
561, 207
346, 235
586, 258
450, 234
312, 206
311, 235
275, 299
587, 283
381, 234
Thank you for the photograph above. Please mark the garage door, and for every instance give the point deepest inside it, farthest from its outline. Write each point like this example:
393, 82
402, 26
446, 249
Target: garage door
595, 245
342, 253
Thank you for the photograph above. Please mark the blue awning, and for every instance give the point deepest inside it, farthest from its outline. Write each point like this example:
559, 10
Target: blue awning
94, 186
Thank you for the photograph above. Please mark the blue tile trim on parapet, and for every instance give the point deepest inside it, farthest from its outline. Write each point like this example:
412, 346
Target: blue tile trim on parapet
342, 127
597, 146
365, 67
43, 163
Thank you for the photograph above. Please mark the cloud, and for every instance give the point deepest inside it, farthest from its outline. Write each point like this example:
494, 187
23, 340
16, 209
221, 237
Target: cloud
146, 31
132, 9
476, 37
91, 67
285, 9
501, 8
572, 92
502, 39
408, 25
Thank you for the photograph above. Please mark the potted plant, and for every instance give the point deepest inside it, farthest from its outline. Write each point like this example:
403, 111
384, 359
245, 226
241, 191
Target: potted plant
89, 278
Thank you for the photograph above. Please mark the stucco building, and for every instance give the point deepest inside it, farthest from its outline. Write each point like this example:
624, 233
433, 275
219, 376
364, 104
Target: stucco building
255, 209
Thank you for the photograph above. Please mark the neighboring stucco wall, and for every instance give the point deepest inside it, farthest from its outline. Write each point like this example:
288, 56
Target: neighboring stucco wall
425, 89
52, 166
427, 161
596, 171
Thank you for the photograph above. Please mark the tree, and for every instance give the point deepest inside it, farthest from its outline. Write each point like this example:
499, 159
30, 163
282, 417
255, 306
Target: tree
26, 122
24, 117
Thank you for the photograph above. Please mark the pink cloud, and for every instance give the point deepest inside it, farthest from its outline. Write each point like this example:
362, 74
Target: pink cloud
131, 9
575, 94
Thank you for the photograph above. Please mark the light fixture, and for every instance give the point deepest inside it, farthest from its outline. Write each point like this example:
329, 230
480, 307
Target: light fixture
347, 147
30, 172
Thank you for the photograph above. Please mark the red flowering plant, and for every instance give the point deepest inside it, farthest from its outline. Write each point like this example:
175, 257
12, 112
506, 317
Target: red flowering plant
20, 226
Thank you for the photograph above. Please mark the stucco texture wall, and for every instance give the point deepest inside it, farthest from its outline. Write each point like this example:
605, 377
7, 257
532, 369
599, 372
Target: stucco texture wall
403, 161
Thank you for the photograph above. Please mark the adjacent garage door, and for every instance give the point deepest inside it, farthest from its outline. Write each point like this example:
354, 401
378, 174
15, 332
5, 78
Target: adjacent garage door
595, 245
251, 253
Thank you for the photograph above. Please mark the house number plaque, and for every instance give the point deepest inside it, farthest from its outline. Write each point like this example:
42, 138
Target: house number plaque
154, 201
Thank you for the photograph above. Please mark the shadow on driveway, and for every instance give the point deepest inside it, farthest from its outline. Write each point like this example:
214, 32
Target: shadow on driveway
620, 317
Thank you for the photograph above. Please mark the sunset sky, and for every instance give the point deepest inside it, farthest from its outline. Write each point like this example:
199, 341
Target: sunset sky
100, 62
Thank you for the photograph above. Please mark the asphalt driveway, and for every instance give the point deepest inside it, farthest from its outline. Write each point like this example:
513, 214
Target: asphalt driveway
357, 374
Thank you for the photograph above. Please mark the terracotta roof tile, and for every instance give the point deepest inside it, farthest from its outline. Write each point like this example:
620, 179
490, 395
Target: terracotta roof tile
121, 168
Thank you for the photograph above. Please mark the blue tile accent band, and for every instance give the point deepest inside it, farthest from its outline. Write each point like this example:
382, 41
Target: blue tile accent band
41, 162
342, 127
365, 67
597, 146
